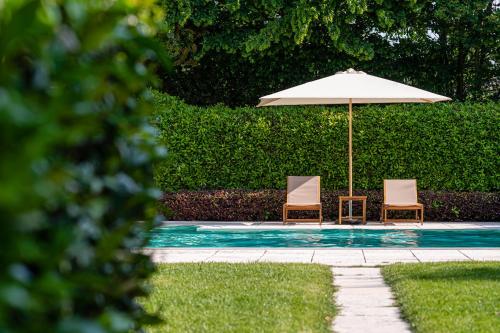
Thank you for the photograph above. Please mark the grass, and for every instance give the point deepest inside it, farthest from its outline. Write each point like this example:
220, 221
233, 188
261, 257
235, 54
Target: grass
221, 297
448, 297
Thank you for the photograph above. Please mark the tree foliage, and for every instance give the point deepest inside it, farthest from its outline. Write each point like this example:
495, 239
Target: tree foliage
253, 28
236, 51
455, 46
76, 155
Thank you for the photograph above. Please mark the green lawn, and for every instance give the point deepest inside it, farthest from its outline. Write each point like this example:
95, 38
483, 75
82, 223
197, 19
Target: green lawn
448, 297
242, 298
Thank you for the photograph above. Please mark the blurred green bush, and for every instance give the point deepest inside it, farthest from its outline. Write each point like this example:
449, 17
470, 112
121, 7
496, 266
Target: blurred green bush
446, 146
76, 151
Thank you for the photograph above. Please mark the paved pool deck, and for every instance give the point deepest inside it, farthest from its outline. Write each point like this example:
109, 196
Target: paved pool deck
333, 257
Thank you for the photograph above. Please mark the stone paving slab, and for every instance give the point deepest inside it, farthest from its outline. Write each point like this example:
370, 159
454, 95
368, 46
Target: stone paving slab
480, 254
237, 256
179, 256
439, 255
339, 263
380, 256
364, 301
365, 271
355, 282
390, 311
292, 256
339, 257
368, 324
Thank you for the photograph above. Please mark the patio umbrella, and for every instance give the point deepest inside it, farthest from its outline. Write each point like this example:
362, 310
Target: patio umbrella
350, 87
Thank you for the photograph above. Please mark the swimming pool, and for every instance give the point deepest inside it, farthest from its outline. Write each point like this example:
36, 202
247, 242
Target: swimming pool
197, 237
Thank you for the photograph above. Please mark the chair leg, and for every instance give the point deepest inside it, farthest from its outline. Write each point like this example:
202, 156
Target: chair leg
284, 214
422, 216
320, 216
364, 211
340, 211
385, 216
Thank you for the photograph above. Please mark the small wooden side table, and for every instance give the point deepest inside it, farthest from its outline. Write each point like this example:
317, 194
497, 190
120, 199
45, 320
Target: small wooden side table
344, 198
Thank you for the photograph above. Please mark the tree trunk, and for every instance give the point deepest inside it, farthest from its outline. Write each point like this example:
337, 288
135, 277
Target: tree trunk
460, 72
445, 69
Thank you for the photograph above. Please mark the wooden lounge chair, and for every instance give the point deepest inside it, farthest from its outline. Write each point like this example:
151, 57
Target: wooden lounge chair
303, 193
401, 194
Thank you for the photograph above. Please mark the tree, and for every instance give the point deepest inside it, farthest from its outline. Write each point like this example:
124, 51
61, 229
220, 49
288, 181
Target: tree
76, 156
456, 46
235, 51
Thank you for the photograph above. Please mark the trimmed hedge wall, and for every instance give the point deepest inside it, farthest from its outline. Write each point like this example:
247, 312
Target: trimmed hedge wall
446, 146
239, 205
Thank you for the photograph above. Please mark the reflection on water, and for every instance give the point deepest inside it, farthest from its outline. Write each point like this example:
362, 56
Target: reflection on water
407, 238
192, 236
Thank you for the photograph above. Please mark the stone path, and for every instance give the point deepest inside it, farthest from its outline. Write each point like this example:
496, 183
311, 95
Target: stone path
366, 302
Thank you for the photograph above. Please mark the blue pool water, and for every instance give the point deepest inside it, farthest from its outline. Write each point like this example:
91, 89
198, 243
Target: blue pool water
194, 236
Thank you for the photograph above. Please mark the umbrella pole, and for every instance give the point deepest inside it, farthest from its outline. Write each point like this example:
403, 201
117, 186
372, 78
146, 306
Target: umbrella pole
350, 157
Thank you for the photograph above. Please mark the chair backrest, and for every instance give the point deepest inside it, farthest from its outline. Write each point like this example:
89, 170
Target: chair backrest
400, 191
303, 189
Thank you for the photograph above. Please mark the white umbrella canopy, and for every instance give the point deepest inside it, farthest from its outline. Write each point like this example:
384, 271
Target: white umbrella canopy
353, 85
350, 87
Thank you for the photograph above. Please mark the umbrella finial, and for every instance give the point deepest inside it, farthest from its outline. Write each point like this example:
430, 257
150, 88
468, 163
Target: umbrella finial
350, 71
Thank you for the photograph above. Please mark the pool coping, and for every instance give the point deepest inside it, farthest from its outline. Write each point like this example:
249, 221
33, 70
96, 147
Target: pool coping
276, 225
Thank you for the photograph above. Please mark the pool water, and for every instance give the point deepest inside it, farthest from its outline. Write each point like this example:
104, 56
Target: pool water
194, 236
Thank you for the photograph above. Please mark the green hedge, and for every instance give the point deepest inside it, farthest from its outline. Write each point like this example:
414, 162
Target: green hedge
446, 146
